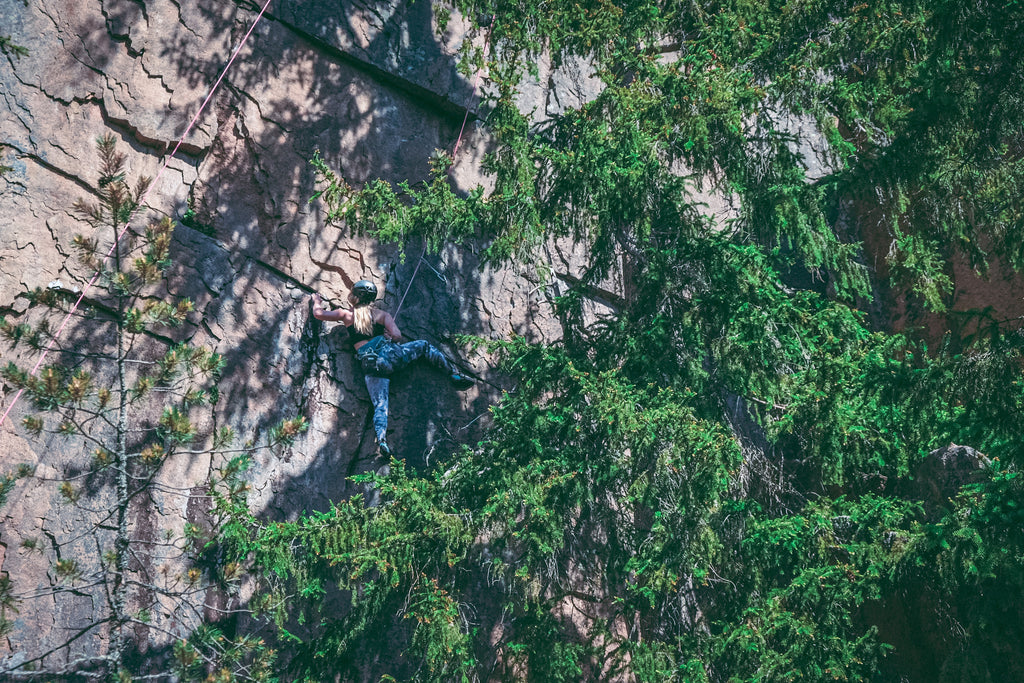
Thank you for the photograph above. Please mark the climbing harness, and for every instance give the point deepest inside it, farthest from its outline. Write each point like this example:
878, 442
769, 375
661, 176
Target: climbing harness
142, 201
369, 355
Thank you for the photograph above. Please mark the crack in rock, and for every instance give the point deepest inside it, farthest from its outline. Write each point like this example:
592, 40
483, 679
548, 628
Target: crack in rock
209, 330
57, 244
55, 98
281, 274
118, 91
181, 21
16, 104
123, 125
243, 133
160, 147
158, 77
356, 254
244, 94
123, 38
57, 170
440, 105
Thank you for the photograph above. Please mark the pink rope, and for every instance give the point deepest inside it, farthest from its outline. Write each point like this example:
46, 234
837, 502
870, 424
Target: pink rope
142, 201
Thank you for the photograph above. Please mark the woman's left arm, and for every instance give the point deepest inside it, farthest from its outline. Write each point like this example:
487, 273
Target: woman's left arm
390, 328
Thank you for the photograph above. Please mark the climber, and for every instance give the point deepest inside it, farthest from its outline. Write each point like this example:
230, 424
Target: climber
375, 337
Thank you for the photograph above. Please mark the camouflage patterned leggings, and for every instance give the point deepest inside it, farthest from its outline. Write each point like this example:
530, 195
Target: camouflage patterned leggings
381, 359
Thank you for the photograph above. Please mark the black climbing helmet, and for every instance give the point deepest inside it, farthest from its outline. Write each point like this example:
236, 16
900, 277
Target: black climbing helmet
364, 292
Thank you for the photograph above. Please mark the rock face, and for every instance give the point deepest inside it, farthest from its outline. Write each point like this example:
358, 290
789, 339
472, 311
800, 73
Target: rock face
939, 477
372, 87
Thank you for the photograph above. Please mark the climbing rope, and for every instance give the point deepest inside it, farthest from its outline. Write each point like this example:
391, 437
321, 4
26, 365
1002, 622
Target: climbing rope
476, 83
142, 201
455, 152
411, 280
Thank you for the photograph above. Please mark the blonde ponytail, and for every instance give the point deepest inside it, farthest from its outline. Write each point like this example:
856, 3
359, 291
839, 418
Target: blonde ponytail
362, 319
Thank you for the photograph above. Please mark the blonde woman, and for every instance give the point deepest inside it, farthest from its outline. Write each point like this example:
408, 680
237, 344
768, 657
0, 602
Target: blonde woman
375, 337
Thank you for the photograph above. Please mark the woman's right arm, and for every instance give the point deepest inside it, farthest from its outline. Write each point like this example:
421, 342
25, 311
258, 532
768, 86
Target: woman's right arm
337, 315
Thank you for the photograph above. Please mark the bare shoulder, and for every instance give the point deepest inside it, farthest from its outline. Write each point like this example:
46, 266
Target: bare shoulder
345, 316
390, 328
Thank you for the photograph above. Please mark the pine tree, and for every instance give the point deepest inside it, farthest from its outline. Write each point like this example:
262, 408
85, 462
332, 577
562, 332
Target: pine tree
127, 400
709, 484
9, 47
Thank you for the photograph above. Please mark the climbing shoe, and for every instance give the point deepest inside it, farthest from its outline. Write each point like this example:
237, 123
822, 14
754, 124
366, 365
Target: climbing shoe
461, 381
384, 449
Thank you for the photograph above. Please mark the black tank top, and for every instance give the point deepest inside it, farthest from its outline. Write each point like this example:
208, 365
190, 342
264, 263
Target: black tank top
355, 336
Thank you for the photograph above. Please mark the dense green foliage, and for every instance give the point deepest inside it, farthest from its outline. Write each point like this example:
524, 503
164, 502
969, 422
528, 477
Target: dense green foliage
714, 483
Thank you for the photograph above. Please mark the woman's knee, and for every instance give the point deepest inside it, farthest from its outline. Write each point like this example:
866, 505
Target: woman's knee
416, 348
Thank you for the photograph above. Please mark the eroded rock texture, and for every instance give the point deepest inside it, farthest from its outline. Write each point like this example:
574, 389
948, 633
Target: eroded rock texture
375, 90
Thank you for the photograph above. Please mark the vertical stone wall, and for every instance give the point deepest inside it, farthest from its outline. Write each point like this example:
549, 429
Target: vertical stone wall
375, 88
